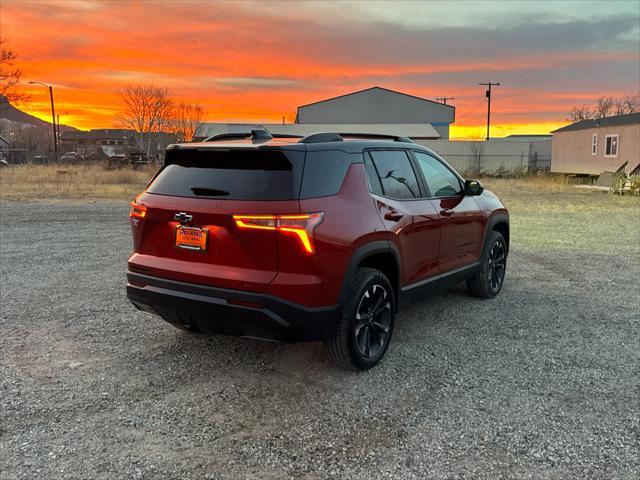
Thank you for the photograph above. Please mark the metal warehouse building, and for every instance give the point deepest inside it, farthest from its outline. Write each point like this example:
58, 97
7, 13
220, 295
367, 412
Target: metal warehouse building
374, 110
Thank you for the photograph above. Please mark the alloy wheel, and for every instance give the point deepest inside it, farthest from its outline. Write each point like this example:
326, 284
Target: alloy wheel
373, 321
497, 265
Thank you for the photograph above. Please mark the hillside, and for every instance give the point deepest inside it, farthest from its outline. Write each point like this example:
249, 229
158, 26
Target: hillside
13, 114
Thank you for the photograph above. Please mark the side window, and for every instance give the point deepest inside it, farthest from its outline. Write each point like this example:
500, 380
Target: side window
441, 181
324, 172
611, 145
396, 174
374, 182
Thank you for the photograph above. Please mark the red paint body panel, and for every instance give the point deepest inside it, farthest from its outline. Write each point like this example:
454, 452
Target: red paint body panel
237, 259
462, 225
416, 235
350, 220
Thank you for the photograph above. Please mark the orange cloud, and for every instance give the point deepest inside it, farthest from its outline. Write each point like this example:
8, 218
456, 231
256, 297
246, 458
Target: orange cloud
258, 62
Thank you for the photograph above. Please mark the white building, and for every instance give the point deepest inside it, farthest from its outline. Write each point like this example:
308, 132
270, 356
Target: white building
374, 110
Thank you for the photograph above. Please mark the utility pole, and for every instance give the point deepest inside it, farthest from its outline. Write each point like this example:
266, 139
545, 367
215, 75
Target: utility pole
488, 94
444, 99
58, 128
53, 117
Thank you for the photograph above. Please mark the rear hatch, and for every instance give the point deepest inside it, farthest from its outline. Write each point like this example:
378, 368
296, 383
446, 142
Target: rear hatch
188, 232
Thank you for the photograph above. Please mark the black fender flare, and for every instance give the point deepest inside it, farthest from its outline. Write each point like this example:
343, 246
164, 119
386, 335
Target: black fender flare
363, 252
492, 222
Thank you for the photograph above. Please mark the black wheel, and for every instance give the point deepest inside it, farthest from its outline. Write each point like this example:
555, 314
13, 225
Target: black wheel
365, 329
488, 280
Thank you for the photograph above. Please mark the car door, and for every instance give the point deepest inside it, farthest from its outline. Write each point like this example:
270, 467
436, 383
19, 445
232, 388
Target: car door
405, 211
460, 218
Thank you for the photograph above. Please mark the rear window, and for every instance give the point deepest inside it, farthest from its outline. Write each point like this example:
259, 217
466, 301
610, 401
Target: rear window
230, 174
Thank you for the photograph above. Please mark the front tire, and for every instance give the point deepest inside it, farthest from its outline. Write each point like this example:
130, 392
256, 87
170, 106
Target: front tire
488, 280
366, 325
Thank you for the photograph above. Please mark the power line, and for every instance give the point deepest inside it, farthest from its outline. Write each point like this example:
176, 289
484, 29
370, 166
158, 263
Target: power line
488, 94
470, 111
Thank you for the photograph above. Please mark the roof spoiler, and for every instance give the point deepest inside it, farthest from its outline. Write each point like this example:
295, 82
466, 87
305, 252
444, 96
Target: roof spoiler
340, 136
255, 134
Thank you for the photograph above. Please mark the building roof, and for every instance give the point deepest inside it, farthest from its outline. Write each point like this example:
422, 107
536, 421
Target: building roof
530, 135
410, 130
377, 88
629, 119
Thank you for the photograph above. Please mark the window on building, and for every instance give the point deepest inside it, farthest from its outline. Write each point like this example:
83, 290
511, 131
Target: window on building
396, 174
594, 144
441, 181
611, 145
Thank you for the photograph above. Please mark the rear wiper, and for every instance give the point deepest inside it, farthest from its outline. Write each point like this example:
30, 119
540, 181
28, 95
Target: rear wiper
209, 192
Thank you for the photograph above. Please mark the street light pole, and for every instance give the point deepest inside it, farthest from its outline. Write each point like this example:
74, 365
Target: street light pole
53, 117
489, 84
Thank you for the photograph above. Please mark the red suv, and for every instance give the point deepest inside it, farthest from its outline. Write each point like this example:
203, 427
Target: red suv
318, 238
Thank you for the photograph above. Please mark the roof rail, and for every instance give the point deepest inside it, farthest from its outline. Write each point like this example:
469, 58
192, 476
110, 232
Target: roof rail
340, 136
227, 136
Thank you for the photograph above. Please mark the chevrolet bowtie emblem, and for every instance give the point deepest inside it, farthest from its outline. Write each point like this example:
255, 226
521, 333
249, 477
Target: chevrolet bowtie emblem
183, 218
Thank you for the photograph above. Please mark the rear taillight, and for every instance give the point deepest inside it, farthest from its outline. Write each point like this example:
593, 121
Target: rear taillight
137, 210
301, 225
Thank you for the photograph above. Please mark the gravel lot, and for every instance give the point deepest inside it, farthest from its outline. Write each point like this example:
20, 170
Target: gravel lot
541, 382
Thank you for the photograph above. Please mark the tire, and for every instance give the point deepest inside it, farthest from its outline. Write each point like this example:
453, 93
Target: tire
488, 280
363, 336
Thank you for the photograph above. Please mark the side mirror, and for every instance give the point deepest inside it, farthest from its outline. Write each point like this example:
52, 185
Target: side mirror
473, 188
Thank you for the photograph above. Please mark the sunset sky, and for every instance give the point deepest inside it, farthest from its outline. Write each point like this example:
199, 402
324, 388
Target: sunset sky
257, 61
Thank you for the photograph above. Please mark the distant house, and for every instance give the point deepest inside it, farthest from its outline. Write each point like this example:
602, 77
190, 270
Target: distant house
596, 146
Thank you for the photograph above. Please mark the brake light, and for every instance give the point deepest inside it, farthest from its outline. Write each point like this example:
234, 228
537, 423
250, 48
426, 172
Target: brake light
302, 225
137, 210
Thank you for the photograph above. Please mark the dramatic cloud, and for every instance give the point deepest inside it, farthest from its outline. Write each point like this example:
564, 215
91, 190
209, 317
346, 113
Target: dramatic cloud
259, 60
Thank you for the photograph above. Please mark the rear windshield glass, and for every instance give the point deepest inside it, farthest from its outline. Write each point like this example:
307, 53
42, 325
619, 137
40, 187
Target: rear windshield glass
227, 175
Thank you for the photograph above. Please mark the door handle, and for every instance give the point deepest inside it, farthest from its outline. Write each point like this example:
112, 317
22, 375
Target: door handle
393, 216
446, 212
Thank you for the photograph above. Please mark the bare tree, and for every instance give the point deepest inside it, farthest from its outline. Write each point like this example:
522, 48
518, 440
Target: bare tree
10, 75
577, 114
603, 107
148, 110
606, 106
187, 118
627, 104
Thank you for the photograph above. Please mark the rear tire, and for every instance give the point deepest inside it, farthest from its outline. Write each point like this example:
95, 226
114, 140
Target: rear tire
488, 280
364, 332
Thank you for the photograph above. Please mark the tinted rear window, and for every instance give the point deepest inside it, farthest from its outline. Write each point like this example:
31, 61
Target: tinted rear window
229, 175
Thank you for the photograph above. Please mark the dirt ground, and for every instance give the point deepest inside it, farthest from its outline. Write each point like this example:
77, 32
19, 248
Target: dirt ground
541, 382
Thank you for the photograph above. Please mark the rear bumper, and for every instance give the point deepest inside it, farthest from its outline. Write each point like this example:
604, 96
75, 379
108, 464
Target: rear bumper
230, 312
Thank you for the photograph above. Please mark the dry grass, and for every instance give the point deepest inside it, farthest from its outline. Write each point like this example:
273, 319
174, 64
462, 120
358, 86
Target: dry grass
546, 211
549, 212
78, 182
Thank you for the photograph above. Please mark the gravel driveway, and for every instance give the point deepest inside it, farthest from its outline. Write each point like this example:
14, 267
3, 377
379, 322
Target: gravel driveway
541, 382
